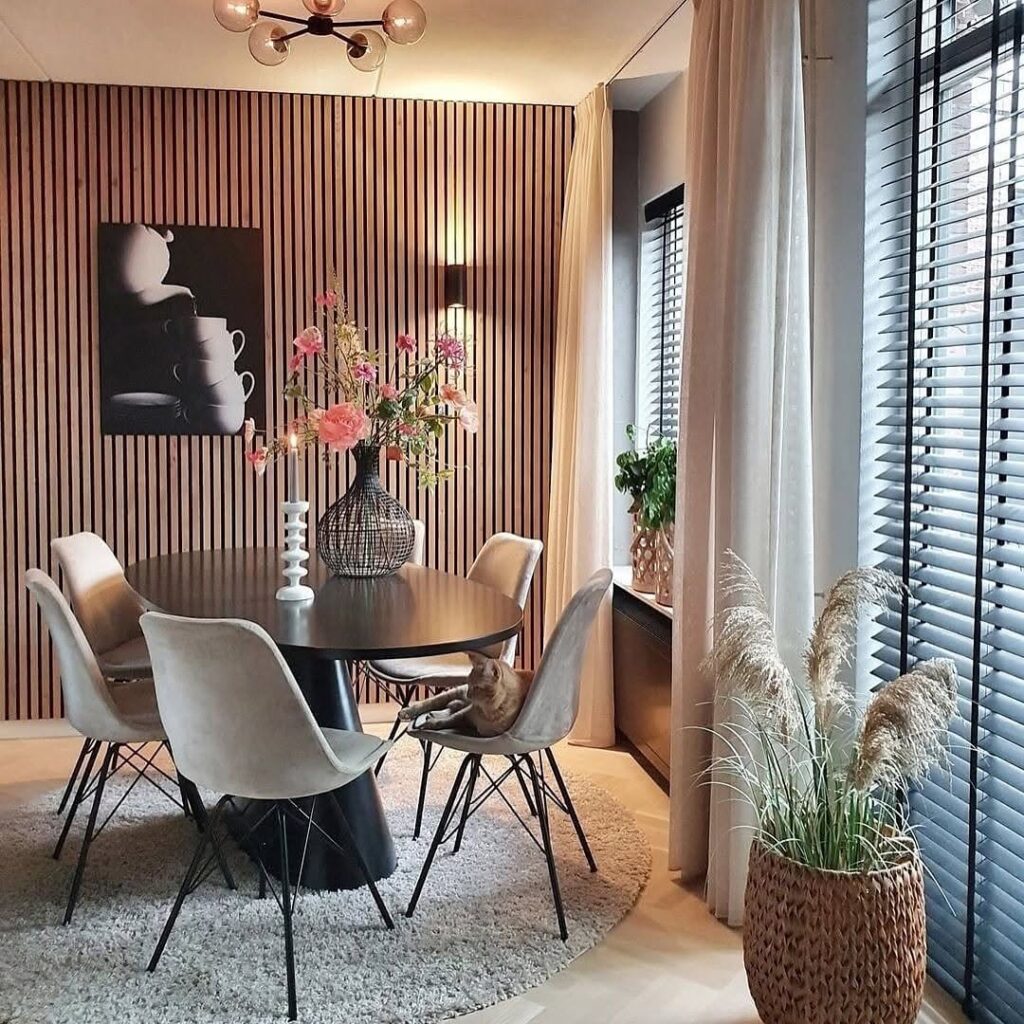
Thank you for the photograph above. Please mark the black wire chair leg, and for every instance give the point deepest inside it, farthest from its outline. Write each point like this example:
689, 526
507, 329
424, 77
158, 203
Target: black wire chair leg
73, 777
571, 808
186, 887
522, 785
442, 825
395, 726
190, 795
427, 748
474, 772
83, 853
286, 910
350, 844
83, 783
549, 853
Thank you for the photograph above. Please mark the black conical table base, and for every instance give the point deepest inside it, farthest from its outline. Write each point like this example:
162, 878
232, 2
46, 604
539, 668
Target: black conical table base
327, 687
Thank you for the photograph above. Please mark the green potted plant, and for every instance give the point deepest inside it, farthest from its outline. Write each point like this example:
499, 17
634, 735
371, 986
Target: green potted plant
648, 476
834, 928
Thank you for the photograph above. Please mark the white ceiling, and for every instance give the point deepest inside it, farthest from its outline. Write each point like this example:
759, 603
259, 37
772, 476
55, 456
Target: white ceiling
662, 58
534, 51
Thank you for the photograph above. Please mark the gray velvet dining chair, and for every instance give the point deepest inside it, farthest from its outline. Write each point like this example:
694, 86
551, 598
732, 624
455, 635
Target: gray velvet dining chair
118, 716
506, 563
546, 718
108, 611
239, 725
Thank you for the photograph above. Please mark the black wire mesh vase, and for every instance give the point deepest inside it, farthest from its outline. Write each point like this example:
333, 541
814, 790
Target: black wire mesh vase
365, 532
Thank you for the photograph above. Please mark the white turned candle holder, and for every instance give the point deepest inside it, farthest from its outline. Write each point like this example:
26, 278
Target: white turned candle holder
294, 554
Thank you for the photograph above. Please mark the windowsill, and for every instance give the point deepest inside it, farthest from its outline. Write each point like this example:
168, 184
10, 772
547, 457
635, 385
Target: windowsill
622, 576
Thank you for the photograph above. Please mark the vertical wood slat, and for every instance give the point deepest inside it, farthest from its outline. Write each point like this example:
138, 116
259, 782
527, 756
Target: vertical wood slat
383, 192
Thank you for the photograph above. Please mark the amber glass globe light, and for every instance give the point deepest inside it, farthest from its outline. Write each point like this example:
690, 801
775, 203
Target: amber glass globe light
236, 15
404, 21
267, 43
328, 8
367, 50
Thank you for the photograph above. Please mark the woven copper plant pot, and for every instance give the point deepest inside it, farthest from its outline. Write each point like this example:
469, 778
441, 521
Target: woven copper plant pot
822, 947
644, 551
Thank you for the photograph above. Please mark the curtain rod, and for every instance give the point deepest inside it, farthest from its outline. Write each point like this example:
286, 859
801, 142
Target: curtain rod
650, 35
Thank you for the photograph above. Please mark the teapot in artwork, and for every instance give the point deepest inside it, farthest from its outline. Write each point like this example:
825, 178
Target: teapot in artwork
143, 258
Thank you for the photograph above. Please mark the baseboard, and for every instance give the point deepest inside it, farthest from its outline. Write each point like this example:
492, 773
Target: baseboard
37, 729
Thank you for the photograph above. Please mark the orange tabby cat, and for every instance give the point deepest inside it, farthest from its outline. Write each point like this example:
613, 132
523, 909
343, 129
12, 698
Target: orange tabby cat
487, 705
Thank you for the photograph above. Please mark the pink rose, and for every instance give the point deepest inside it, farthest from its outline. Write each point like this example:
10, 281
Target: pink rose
365, 372
405, 343
327, 300
393, 453
248, 431
408, 429
450, 350
295, 363
469, 417
258, 460
342, 426
310, 341
388, 391
450, 393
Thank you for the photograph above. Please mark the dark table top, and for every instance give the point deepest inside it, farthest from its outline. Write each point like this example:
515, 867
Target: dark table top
416, 612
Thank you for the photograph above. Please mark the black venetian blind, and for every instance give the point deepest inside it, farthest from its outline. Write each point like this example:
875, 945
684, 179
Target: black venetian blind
944, 365
662, 295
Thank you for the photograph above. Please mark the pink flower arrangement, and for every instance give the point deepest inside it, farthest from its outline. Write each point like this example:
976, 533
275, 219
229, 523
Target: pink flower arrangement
453, 395
450, 350
469, 417
310, 342
405, 415
258, 460
343, 426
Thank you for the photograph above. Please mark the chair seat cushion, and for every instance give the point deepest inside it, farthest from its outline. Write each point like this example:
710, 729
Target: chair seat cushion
136, 705
356, 751
501, 745
129, 660
410, 670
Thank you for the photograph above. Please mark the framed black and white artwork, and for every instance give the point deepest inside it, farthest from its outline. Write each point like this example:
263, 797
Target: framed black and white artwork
181, 329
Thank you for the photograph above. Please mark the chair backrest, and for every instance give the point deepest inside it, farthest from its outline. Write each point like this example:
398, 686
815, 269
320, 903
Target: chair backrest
87, 702
507, 563
419, 542
554, 698
106, 606
233, 713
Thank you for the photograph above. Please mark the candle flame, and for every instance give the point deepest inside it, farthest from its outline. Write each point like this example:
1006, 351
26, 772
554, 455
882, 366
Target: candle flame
293, 441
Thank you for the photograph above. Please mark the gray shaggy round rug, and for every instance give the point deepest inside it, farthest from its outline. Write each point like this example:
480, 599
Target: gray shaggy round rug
484, 929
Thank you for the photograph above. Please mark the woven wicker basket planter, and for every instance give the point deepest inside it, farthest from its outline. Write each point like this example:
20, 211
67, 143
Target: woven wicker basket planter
822, 947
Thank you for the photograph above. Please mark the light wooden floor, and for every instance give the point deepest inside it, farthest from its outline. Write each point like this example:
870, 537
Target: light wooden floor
668, 962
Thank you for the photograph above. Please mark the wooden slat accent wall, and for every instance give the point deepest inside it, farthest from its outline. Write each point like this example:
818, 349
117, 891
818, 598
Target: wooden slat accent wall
386, 191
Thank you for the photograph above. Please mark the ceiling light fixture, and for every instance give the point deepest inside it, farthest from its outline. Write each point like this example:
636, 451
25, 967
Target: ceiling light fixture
403, 22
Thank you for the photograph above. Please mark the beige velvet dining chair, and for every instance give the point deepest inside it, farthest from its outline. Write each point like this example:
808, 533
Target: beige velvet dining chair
546, 718
118, 716
108, 611
239, 724
506, 563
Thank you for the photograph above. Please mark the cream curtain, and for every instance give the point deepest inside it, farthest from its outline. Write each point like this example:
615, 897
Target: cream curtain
745, 411
580, 518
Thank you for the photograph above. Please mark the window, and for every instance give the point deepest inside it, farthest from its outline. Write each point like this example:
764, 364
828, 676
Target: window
660, 305
944, 450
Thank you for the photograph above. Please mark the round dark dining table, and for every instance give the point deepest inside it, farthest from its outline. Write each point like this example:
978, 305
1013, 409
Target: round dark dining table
413, 613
